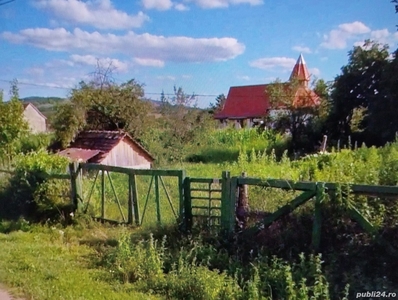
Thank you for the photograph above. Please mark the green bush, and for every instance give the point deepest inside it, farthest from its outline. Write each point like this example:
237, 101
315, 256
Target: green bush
191, 272
34, 142
31, 192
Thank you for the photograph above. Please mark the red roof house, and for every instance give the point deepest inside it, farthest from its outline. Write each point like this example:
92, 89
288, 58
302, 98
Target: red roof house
252, 101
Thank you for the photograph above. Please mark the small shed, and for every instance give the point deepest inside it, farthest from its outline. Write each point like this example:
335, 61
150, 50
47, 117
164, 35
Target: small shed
113, 148
37, 122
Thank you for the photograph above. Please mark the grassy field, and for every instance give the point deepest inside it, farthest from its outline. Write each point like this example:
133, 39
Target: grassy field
88, 260
60, 263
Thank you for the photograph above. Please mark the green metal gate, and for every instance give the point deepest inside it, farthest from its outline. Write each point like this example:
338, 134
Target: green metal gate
128, 196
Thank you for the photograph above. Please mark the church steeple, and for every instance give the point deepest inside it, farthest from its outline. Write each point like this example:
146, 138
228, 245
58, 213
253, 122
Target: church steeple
300, 71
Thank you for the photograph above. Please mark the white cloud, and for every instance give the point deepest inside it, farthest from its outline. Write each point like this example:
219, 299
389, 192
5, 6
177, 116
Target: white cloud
90, 60
337, 38
380, 34
157, 4
273, 62
144, 46
186, 76
354, 28
98, 13
181, 7
224, 3
168, 4
149, 62
302, 49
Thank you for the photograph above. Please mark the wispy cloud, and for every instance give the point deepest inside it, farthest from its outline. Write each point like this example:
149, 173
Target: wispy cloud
302, 49
181, 7
100, 14
143, 46
206, 4
347, 33
224, 3
273, 62
337, 38
148, 62
157, 4
35, 71
91, 60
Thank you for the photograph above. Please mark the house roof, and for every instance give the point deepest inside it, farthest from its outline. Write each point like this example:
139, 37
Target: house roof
252, 101
305, 97
300, 71
95, 144
249, 101
79, 154
26, 104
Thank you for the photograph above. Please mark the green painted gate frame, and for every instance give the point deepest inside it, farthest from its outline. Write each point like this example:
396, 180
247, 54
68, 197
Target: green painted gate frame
310, 190
133, 206
229, 186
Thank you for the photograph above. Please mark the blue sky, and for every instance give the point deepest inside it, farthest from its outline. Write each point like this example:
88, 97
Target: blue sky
204, 46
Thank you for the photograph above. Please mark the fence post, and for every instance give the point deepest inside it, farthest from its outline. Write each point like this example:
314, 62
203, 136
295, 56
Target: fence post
76, 189
242, 206
130, 212
316, 227
133, 206
157, 199
187, 221
103, 194
181, 190
228, 198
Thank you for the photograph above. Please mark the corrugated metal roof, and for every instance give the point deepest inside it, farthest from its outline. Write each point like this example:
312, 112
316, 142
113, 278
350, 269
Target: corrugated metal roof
77, 154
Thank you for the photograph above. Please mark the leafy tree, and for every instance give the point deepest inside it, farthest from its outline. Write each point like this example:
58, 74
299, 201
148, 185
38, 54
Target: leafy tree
218, 106
101, 104
359, 95
12, 124
180, 126
293, 109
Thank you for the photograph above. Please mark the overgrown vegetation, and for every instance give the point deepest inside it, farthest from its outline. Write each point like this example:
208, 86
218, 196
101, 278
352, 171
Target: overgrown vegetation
275, 263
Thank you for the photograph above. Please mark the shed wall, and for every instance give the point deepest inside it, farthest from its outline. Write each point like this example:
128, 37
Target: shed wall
126, 155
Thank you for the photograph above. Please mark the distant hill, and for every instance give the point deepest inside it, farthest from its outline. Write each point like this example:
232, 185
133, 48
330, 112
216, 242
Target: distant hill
42, 100
46, 105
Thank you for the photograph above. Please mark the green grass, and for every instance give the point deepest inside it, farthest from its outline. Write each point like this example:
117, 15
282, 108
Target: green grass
57, 263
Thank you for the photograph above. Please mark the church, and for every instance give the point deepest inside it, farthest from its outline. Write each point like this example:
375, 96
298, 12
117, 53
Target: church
246, 105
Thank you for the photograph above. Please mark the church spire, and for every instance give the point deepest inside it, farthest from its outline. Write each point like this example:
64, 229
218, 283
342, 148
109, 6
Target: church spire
300, 71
